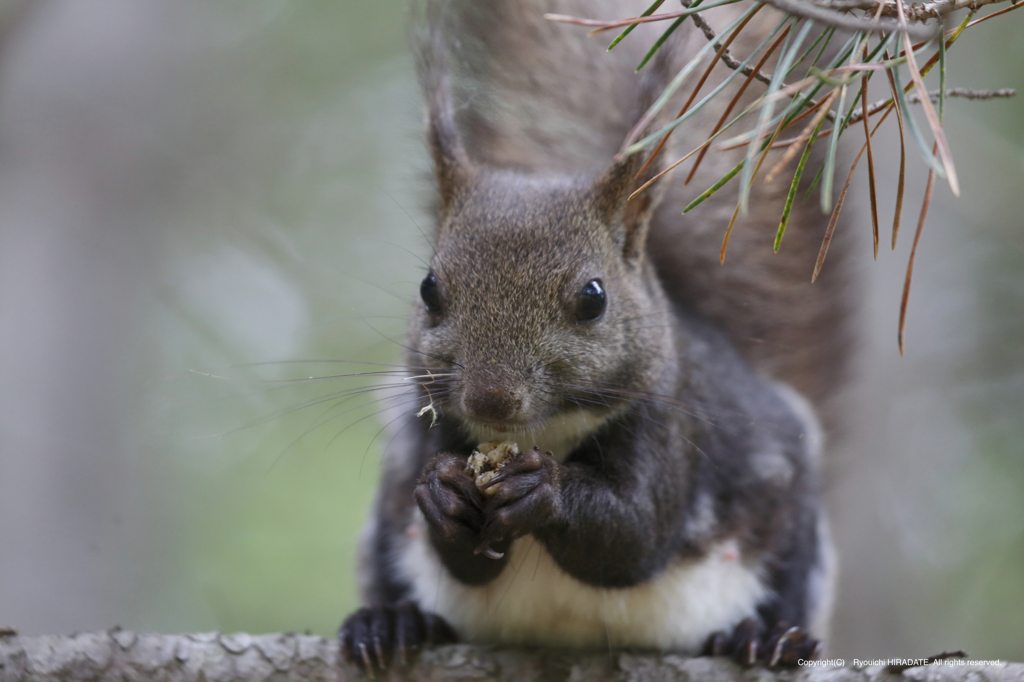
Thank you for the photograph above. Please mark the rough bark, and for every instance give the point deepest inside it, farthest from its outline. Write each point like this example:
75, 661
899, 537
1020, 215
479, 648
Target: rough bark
214, 657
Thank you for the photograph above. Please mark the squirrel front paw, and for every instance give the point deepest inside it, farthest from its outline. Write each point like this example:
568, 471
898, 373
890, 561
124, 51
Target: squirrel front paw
527, 497
751, 643
379, 636
450, 501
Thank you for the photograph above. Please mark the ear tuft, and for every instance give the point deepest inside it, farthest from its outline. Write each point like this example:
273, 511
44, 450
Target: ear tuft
451, 163
629, 218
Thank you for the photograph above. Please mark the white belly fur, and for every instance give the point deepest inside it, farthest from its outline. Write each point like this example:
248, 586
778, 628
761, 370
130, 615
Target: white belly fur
534, 602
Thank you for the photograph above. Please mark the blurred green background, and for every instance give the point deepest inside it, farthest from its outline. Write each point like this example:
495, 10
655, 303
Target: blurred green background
195, 195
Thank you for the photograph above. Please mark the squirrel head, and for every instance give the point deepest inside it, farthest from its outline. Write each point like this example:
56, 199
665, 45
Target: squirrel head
540, 302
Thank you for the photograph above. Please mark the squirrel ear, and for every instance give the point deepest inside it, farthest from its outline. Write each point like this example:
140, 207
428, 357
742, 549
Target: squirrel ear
612, 190
451, 164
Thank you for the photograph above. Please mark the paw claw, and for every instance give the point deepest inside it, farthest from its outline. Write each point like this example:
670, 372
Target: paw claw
750, 644
782, 645
498, 478
815, 650
371, 638
486, 550
717, 644
752, 653
367, 662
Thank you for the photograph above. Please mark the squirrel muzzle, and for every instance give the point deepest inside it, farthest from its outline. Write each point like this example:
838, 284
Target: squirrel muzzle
495, 399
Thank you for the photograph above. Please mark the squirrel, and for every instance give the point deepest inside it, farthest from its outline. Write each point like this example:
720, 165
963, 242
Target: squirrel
671, 498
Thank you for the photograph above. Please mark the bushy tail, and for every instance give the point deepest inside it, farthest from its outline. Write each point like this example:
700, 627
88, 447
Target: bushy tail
530, 93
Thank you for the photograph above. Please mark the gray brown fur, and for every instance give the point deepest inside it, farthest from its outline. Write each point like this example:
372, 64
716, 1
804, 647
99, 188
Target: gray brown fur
524, 118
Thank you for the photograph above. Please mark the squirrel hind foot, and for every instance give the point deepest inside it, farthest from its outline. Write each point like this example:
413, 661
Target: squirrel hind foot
377, 637
750, 643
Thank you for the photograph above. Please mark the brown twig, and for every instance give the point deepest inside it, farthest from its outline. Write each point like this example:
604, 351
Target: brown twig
1015, 5
727, 58
964, 93
933, 95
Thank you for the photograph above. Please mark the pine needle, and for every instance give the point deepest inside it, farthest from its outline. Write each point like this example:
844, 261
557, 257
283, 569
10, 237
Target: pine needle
834, 220
629, 29
793, 186
913, 253
929, 110
736, 212
714, 188
830, 157
737, 96
908, 119
871, 159
703, 79
704, 146
602, 26
728, 233
778, 78
630, 146
659, 42
903, 163
794, 146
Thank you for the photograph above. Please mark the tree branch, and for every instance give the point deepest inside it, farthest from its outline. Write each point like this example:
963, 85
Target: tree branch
829, 13
933, 95
963, 93
914, 12
727, 57
123, 656
829, 17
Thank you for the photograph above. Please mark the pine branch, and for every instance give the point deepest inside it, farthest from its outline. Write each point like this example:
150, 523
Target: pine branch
866, 53
915, 12
727, 57
829, 17
933, 95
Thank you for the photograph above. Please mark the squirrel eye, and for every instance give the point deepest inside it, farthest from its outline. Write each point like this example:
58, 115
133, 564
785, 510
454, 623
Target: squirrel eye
591, 301
430, 294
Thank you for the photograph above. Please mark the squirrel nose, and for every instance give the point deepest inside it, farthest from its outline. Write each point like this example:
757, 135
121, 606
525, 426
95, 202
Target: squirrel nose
488, 402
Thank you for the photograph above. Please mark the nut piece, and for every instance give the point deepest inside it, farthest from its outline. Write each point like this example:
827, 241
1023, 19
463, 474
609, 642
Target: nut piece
487, 459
